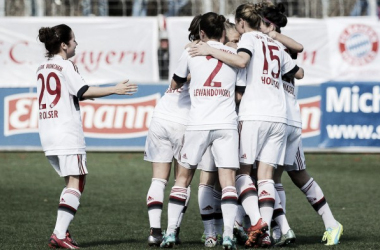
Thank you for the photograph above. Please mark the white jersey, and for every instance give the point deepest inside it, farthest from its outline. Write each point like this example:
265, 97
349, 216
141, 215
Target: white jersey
212, 90
293, 111
174, 105
59, 86
264, 97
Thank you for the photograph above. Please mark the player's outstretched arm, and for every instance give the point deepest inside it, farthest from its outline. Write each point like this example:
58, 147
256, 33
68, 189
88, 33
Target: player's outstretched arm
122, 88
203, 49
286, 41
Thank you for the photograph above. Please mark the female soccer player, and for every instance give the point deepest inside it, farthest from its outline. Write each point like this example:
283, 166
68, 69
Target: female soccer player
59, 89
163, 143
212, 122
294, 157
262, 114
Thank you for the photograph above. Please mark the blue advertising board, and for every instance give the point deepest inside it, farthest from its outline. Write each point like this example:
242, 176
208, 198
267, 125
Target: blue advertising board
350, 114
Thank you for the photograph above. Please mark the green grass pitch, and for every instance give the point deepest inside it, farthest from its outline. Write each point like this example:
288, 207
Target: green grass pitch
113, 213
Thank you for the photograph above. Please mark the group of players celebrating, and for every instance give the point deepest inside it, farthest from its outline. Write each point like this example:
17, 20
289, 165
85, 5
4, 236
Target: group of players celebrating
231, 112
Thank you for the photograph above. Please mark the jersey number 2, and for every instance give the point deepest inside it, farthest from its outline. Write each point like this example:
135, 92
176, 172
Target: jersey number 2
56, 92
209, 82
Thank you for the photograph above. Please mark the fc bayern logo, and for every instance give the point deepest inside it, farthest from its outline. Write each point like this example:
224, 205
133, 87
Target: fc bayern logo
358, 44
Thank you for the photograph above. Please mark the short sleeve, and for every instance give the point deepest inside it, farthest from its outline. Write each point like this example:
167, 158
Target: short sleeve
246, 44
73, 79
182, 69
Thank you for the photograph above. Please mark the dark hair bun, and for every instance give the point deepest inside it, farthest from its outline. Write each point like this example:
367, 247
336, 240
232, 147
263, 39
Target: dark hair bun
220, 19
45, 34
281, 8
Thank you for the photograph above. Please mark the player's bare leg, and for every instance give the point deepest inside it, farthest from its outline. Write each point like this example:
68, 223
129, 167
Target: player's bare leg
68, 205
155, 198
229, 204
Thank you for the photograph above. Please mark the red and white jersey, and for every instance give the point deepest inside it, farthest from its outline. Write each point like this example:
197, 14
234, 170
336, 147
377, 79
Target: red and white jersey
264, 97
174, 105
293, 111
59, 121
212, 90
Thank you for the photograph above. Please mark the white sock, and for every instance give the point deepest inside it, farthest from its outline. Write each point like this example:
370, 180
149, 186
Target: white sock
240, 215
154, 201
279, 215
281, 192
177, 201
68, 206
266, 199
185, 207
206, 208
248, 197
218, 215
229, 207
316, 198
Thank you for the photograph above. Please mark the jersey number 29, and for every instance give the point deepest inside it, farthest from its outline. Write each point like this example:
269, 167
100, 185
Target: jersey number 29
56, 92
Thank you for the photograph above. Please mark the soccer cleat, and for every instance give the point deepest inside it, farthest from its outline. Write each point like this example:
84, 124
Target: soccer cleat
285, 239
254, 232
276, 233
70, 238
54, 242
155, 237
240, 234
228, 244
203, 238
264, 241
168, 241
332, 235
211, 241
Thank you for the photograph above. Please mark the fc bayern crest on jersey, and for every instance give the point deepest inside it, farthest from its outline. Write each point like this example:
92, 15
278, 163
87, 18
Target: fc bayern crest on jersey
358, 44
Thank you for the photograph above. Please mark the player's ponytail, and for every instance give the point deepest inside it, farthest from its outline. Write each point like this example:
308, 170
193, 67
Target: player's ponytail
53, 37
275, 14
194, 28
213, 25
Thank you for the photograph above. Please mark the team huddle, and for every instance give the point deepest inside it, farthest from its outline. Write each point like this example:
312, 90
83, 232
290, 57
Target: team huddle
231, 112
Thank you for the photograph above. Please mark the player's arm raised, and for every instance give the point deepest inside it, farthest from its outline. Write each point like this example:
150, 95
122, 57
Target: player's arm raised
288, 42
240, 60
122, 88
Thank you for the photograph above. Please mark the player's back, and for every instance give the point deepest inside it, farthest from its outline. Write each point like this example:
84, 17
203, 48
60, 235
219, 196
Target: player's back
264, 97
212, 92
174, 105
60, 125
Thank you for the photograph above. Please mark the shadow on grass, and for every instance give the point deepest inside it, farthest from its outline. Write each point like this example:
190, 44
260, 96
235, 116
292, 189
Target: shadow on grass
107, 242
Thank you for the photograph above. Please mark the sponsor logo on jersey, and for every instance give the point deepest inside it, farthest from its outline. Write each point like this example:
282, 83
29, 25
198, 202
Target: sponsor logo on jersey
102, 118
310, 116
358, 44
